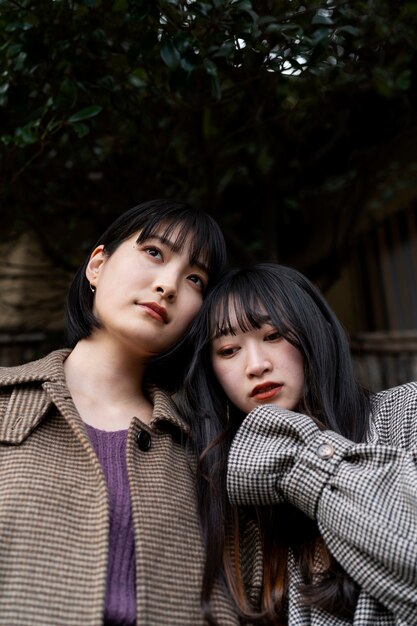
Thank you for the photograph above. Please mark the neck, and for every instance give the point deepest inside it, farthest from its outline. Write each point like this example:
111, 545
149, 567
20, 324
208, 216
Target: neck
105, 383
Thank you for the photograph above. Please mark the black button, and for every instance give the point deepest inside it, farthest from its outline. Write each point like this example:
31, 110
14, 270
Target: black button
144, 440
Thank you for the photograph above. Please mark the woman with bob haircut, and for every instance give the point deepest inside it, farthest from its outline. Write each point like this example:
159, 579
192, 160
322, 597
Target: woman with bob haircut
98, 510
327, 469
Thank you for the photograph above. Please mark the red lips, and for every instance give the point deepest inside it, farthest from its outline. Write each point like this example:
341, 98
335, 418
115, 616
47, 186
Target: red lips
156, 310
266, 390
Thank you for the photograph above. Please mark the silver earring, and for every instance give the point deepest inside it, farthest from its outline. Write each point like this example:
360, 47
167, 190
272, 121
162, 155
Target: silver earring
93, 289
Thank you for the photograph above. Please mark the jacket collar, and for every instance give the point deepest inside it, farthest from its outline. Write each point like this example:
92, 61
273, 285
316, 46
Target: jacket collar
26, 404
30, 399
49, 368
165, 410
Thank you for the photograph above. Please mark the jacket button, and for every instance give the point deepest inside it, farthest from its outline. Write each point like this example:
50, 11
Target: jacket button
325, 451
144, 440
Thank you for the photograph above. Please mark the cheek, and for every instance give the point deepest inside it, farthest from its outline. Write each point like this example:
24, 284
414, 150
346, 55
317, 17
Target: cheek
219, 371
297, 366
227, 376
185, 315
294, 358
191, 308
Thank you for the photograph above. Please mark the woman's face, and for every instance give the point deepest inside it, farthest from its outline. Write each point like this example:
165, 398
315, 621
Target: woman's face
258, 367
146, 294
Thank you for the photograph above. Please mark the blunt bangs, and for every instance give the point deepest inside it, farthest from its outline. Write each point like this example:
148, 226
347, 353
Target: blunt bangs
245, 300
195, 230
234, 313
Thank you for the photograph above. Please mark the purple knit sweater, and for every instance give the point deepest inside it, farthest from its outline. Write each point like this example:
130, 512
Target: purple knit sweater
120, 602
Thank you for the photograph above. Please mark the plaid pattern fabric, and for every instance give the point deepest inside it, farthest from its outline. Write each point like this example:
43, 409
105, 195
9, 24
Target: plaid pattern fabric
363, 496
54, 512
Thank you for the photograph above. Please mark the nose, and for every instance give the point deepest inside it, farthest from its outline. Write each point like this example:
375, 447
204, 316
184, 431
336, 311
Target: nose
167, 289
257, 363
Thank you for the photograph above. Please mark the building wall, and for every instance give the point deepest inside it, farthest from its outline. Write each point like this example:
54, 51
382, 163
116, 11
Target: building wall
32, 290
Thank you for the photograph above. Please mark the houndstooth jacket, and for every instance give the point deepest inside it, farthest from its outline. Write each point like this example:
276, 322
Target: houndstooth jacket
363, 496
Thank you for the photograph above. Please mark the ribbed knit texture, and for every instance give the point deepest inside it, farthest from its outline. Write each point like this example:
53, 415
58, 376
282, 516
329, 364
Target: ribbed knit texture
120, 603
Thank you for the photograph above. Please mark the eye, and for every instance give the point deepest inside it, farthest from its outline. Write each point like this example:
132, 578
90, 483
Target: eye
198, 281
153, 251
227, 352
273, 336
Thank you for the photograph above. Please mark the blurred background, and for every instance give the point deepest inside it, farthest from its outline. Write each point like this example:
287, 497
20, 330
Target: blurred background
293, 123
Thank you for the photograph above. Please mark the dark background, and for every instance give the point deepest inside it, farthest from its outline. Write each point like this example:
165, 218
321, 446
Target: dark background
293, 123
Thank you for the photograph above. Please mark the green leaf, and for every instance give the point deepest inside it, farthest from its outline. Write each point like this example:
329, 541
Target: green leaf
85, 114
225, 50
81, 129
14, 26
187, 65
26, 135
202, 8
211, 70
138, 79
53, 125
351, 30
403, 81
322, 19
169, 54
243, 5
19, 63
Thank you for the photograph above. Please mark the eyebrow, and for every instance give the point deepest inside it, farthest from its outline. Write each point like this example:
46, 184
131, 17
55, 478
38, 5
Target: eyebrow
176, 248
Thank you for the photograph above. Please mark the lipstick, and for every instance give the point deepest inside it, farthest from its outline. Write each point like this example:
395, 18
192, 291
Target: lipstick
155, 310
266, 391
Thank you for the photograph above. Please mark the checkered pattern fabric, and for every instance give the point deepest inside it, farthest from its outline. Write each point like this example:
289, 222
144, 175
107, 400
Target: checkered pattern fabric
54, 512
363, 496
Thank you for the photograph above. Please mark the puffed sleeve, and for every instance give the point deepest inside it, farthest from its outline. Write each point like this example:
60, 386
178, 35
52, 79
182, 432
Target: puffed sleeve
363, 496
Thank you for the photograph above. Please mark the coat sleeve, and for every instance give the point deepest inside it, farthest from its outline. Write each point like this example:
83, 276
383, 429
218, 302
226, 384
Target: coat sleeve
363, 496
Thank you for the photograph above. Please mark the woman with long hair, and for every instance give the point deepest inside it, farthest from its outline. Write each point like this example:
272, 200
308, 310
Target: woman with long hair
327, 469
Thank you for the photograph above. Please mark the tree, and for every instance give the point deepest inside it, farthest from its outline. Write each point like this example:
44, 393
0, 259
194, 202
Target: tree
293, 123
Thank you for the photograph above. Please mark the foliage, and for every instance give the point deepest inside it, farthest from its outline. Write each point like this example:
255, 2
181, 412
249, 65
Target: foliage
285, 119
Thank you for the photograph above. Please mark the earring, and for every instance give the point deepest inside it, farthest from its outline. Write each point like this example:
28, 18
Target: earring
93, 289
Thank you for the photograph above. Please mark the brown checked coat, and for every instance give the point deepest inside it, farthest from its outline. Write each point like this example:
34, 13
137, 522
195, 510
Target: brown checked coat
54, 512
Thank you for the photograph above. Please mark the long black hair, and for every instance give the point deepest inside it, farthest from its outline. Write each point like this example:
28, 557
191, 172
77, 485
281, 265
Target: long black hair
332, 396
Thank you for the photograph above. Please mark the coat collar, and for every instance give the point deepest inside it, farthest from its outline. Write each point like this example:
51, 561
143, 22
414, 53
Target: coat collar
50, 368
24, 406
165, 410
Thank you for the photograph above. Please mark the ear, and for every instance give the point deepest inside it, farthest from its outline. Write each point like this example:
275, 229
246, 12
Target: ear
97, 259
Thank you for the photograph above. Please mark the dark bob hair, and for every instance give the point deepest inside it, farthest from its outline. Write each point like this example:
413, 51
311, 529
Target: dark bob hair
155, 217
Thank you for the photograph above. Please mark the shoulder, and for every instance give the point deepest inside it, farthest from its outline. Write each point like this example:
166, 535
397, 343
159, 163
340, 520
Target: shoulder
49, 367
398, 401
23, 399
394, 415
